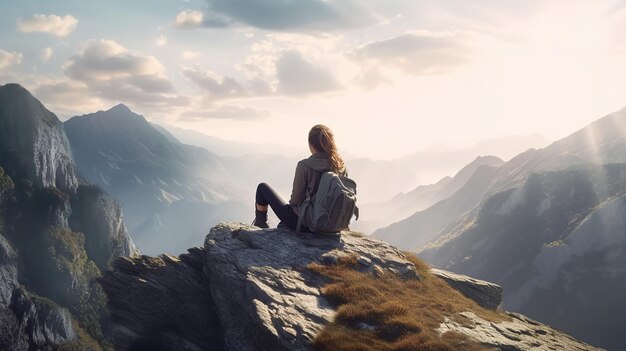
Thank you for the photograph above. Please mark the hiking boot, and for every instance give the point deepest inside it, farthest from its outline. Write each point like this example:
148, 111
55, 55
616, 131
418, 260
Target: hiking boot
260, 219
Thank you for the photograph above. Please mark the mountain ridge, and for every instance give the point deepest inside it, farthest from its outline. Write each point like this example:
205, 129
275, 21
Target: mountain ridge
556, 156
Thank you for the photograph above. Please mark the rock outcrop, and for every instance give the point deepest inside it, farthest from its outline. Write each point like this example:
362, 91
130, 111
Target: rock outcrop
486, 294
8, 271
520, 333
32, 142
252, 289
266, 297
56, 234
162, 303
45, 322
100, 218
27, 321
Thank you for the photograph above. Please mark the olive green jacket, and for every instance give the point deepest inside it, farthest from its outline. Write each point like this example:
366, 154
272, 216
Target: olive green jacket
308, 173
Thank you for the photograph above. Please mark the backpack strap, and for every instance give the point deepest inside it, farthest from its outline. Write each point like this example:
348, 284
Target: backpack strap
300, 216
306, 203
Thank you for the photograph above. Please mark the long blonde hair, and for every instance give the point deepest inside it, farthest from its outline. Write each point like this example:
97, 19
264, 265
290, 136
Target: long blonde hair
322, 139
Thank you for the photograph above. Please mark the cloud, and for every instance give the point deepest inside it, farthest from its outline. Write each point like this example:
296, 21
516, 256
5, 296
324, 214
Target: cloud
9, 58
46, 53
214, 85
52, 24
281, 15
299, 76
105, 59
270, 71
226, 87
190, 55
232, 112
161, 40
189, 19
110, 71
417, 53
138, 91
67, 97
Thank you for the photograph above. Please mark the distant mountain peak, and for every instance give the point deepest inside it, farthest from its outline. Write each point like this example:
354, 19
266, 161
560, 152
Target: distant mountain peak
120, 117
14, 86
117, 123
465, 173
11, 93
488, 157
120, 108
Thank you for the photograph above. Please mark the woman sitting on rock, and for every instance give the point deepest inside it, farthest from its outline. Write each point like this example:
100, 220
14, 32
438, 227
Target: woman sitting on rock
324, 156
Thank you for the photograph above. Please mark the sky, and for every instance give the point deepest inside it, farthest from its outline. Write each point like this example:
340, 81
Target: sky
389, 77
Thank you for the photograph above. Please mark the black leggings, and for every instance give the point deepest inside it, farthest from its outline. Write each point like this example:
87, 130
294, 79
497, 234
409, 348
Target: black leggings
265, 195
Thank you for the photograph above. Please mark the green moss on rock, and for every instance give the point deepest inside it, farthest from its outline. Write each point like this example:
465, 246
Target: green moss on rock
6, 183
75, 274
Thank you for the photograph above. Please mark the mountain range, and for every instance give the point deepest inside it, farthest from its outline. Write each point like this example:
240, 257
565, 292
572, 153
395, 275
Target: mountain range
548, 225
404, 205
170, 192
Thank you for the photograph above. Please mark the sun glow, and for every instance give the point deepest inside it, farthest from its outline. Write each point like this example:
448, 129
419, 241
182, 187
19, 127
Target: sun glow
441, 73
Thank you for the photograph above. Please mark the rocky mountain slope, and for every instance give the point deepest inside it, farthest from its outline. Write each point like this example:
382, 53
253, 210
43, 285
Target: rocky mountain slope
548, 227
169, 191
551, 242
253, 289
32, 142
548, 223
56, 234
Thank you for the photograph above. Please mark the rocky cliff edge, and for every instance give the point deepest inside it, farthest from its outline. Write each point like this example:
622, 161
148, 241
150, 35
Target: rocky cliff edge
253, 289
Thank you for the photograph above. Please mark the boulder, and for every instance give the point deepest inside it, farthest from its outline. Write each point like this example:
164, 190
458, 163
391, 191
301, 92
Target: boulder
46, 323
485, 294
266, 297
161, 303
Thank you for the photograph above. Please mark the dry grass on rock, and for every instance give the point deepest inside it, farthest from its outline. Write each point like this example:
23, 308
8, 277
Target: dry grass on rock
389, 313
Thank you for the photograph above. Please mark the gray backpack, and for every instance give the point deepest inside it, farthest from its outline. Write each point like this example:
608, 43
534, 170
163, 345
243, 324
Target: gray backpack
331, 207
